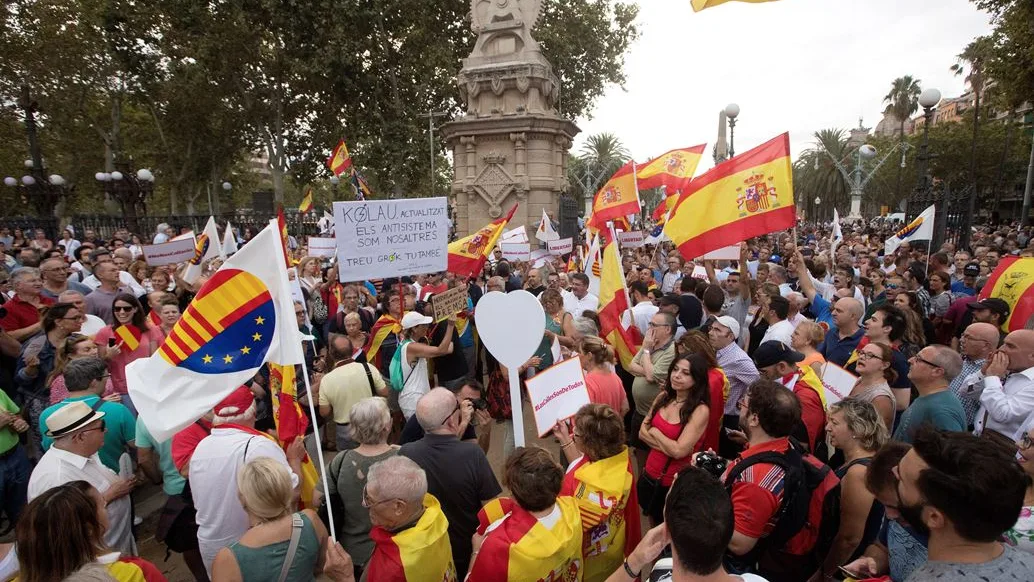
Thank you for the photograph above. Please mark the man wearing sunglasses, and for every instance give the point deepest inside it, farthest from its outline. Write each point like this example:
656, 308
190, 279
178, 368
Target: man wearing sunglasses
931, 372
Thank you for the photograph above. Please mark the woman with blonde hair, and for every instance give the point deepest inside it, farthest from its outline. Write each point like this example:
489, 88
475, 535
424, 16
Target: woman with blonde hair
806, 339
603, 384
264, 553
309, 275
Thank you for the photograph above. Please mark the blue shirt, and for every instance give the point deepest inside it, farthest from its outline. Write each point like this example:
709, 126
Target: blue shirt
823, 311
119, 424
941, 409
838, 350
906, 549
958, 288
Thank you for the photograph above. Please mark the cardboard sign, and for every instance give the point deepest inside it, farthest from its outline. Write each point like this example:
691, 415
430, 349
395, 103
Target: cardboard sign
561, 247
170, 253
516, 235
631, 239
729, 253
516, 251
557, 393
838, 382
391, 238
322, 247
449, 303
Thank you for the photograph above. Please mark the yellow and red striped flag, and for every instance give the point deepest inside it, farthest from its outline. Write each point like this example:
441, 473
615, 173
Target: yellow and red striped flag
385, 326
1013, 282
306, 204
281, 224
291, 423
747, 196
421, 553
673, 170
153, 319
614, 302
617, 198
129, 335
339, 161
699, 5
467, 255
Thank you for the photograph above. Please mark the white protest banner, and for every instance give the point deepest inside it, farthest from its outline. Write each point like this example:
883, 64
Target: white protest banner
729, 253
538, 258
391, 238
449, 303
322, 246
189, 234
170, 253
516, 251
557, 393
838, 382
561, 247
515, 235
699, 272
631, 239
296, 286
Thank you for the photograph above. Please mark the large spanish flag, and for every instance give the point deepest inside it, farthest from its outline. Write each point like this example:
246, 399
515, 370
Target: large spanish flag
699, 5
617, 198
614, 302
673, 170
420, 553
468, 255
606, 495
521, 549
747, 196
1013, 282
339, 161
291, 423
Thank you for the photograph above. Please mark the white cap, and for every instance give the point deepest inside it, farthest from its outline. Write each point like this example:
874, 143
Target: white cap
732, 324
413, 319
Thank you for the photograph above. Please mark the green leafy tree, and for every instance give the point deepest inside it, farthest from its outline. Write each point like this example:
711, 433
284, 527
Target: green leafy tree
815, 174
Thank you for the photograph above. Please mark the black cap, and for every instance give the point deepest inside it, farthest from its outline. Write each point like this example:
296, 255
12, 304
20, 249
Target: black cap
971, 270
995, 304
771, 353
669, 299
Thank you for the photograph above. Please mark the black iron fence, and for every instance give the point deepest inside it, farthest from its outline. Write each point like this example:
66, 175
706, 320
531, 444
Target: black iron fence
953, 219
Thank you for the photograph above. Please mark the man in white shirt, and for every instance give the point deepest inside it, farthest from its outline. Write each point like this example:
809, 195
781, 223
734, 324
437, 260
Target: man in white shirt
578, 300
233, 442
779, 329
78, 433
124, 278
1008, 396
642, 307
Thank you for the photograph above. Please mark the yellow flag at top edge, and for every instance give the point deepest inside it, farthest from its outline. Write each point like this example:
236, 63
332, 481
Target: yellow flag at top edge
699, 5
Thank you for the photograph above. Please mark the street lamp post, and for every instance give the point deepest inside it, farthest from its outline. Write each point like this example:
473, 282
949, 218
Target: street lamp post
43, 192
928, 100
732, 111
431, 114
856, 178
130, 189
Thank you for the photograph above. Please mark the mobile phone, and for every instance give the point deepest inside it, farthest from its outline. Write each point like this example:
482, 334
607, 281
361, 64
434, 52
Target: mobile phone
854, 575
111, 342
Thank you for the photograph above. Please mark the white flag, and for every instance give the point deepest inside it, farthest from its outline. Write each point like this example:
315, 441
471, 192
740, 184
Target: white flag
837, 236
229, 241
546, 232
207, 247
241, 318
919, 229
593, 264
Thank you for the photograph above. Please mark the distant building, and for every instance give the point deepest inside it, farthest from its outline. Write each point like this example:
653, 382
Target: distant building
890, 125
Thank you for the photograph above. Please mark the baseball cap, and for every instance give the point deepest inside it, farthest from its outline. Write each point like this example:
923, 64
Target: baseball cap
669, 299
971, 269
773, 352
994, 304
236, 403
731, 323
413, 319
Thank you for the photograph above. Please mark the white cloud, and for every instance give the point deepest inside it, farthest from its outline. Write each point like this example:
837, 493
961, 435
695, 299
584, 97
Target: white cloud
792, 65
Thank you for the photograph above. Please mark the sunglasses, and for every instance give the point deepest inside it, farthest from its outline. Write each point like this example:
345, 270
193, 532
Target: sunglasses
118, 308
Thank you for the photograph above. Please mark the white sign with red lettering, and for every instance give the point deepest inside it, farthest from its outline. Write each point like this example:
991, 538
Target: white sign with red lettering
175, 251
557, 393
516, 251
838, 382
322, 246
561, 247
631, 239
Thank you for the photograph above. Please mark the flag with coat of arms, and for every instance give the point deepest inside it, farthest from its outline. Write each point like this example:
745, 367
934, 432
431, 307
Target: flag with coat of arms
241, 318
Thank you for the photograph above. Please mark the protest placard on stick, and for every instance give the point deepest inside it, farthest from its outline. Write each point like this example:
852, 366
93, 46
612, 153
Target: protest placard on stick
838, 382
631, 239
516, 251
322, 246
561, 247
391, 238
556, 394
449, 303
170, 253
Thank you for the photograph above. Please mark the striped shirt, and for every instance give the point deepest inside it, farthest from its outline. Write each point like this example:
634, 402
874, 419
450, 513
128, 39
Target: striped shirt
962, 387
740, 370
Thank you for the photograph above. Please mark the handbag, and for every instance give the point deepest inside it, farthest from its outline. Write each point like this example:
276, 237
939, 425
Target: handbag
648, 488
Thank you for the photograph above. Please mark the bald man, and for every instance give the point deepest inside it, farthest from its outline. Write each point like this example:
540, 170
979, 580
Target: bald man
1006, 402
842, 339
977, 343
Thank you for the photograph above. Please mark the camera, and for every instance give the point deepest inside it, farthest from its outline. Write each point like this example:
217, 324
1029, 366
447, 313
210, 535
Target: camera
711, 463
479, 404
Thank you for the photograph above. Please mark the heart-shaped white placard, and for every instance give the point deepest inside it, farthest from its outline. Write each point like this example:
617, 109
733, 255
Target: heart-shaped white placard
510, 325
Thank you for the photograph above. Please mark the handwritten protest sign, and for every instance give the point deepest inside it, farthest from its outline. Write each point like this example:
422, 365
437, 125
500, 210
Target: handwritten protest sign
391, 238
631, 239
322, 247
561, 247
838, 382
557, 393
516, 251
449, 303
170, 253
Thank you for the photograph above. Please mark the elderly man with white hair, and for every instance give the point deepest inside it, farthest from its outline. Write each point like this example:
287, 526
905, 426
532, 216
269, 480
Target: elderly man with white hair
458, 473
233, 442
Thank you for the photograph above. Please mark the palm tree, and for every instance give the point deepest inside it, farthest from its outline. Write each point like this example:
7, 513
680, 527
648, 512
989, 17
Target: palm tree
974, 57
601, 156
902, 102
816, 175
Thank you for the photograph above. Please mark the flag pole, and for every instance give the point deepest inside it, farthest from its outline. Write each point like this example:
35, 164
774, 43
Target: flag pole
319, 452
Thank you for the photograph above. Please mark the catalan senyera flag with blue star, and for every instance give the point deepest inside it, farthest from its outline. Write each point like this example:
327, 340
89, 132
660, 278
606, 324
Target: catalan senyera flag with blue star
241, 318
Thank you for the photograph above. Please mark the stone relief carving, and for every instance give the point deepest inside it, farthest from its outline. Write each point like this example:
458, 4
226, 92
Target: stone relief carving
487, 14
494, 183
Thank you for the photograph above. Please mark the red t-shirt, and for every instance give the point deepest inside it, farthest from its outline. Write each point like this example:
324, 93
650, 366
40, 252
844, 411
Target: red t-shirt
606, 388
21, 314
716, 382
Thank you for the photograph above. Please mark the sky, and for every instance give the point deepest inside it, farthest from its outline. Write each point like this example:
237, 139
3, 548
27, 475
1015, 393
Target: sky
791, 65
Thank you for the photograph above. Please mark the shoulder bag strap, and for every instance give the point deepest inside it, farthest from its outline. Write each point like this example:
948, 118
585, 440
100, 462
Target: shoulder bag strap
369, 378
292, 548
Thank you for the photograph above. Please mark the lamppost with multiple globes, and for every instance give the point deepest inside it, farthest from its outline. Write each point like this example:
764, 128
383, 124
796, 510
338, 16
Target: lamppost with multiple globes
130, 189
44, 193
928, 99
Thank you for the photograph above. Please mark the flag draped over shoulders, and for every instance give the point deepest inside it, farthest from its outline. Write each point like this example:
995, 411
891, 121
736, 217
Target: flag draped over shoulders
386, 325
519, 548
420, 553
606, 496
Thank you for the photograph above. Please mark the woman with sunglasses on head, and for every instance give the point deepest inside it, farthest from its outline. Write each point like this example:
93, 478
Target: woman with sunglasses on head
1022, 534
75, 346
128, 340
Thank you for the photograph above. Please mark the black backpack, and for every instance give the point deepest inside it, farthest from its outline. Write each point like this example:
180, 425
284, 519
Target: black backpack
802, 482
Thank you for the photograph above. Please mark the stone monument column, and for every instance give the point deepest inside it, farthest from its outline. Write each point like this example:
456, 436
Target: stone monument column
510, 145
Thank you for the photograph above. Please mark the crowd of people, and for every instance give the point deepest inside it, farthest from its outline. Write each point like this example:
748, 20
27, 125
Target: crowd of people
717, 452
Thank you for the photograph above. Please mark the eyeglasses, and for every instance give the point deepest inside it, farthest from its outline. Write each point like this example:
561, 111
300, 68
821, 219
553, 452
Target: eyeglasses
891, 285
118, 308
1025, 442
454, 410
101, 428
368, 502
919, 358
869, 356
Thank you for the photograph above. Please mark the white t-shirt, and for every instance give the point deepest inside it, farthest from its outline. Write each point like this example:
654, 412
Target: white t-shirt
642, 312
576, 306
781, 331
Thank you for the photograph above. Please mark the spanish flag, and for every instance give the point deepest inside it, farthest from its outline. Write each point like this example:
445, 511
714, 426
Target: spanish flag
468, 255
339, 161
129, 335
153, 320
130, 569
699, 5
617, 198
291, 423
747, 196
281, 224
382, 328
521, 549
614, 302
606, 495
420, 553
672, 170
1013, 282
306, 204
360, 186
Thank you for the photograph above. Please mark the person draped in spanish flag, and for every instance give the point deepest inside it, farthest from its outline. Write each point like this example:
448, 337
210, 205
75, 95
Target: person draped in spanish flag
384, 334
602, 482
410, 532
536, 536
776, 361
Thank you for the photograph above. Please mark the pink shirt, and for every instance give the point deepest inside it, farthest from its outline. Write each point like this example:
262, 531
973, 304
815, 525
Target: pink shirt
149, 341
58, 390
606, 388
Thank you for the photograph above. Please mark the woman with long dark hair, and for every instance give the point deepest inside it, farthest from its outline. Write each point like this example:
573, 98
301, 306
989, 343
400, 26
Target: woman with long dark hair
672, 429
128, 340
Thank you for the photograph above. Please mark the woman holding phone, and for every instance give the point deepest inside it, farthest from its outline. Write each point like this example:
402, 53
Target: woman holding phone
128, 340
